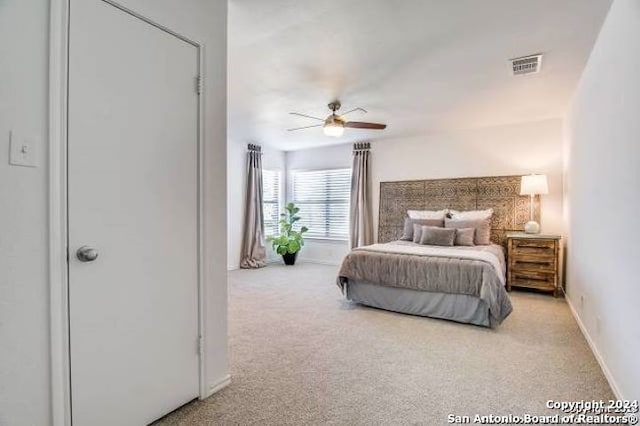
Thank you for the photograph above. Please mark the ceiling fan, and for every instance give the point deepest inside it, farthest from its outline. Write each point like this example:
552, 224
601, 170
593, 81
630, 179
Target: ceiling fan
335, 124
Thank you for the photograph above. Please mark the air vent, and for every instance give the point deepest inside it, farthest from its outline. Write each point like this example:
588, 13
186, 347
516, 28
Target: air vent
526, 64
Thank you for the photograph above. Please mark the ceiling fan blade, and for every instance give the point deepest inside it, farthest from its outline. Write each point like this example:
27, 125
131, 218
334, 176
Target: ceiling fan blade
361, 125
307, 116
305, 127
354, 110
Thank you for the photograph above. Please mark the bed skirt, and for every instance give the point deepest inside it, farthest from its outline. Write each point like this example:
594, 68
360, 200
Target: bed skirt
455, 307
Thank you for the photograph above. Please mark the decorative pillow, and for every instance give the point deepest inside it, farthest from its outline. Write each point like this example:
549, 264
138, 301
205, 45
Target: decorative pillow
464, 236
407, 233
482, 227
417, 232
427, 214
434, 236
470, 214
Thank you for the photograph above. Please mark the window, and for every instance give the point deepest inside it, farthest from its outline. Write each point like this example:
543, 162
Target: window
271, 201
323, 198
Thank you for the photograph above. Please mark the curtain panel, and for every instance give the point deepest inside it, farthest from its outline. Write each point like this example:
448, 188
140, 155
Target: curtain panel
254, 254
360, 215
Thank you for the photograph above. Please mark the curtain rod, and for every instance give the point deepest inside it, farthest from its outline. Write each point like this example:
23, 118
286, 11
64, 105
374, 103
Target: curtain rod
361, 146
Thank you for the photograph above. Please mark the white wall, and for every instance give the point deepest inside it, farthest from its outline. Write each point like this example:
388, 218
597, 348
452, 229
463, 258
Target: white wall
491, 151
603, 174
516, 149
272, 159
24, 309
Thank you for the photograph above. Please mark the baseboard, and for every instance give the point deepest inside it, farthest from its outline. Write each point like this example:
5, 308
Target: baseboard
215, 387
236, 267
276, 260
320, 262
594, 349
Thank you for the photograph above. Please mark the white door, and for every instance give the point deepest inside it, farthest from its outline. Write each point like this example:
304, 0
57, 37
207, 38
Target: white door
133, 199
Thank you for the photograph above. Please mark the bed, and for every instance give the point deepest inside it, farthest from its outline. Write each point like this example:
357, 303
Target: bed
463, 284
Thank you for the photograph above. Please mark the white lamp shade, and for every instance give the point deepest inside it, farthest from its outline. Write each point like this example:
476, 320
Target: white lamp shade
534, 185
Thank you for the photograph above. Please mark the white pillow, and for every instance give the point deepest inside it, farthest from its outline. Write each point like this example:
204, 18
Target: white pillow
427, 214
471, 214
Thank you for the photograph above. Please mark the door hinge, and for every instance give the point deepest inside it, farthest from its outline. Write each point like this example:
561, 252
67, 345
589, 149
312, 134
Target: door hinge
198, 84
201, 346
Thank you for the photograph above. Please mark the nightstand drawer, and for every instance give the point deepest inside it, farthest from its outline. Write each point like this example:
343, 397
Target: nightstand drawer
537, 247
533, 263
535, 279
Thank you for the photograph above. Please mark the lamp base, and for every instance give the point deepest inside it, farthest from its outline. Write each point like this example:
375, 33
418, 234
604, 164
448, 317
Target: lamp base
532, 227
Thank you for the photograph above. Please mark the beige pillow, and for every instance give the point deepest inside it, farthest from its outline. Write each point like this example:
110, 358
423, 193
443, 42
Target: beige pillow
465, 236
417, 232
470, 214
482, 228
407, 233
427, 214
434, 236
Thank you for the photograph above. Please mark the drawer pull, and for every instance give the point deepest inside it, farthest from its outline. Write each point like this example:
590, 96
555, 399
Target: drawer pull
543, 264
534, 251
541, 244
523, 248
532, 245
530, 278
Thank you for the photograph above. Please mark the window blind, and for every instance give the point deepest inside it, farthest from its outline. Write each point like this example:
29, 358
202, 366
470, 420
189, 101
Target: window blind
271, 201
323, 199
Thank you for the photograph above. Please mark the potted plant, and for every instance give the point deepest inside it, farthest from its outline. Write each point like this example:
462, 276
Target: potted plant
290, 241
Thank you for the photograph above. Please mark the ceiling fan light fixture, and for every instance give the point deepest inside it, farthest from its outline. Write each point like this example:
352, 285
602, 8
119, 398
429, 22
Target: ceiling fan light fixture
333, 129
333, 126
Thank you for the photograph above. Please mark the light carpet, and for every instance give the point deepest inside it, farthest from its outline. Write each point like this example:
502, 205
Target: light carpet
301, 354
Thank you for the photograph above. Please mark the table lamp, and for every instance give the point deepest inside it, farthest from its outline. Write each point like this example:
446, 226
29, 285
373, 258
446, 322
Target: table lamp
533, 185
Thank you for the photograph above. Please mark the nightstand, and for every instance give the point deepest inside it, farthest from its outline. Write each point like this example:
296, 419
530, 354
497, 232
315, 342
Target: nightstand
533, 261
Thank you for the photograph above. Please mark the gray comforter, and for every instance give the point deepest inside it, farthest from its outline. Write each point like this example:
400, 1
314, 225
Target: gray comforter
474, 271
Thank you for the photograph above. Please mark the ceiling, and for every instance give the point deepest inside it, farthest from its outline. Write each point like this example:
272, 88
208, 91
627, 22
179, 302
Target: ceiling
417, 65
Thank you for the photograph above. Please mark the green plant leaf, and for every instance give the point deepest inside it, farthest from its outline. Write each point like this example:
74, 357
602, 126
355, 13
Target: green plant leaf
293, 247
303, 229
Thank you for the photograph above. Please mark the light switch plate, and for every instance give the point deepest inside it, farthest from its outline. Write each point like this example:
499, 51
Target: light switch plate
23, 151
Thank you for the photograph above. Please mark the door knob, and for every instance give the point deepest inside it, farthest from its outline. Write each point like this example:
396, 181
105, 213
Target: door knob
87, 254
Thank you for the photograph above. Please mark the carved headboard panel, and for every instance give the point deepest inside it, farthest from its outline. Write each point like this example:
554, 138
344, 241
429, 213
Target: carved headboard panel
502, 193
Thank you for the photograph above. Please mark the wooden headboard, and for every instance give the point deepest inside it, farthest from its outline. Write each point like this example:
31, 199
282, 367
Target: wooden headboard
502, 193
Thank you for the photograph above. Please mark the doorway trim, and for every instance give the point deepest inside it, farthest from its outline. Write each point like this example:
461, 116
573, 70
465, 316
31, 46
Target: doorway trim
60, 386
